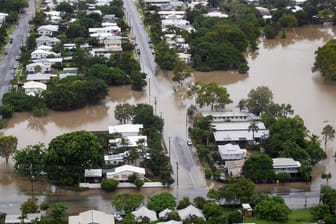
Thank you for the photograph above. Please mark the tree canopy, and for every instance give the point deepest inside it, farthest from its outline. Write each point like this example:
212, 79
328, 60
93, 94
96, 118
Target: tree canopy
127, 202
161, 201
325, 60
259, 168
68, 155
7, 146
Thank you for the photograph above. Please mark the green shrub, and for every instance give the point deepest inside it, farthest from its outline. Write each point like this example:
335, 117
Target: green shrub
7, 111
109, 184
208, 173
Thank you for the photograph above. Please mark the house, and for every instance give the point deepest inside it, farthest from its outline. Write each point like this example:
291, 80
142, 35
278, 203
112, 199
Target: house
143, 212
122, 173
93, 175
44, 48
176, 22
165, 213
238, 132
39, 77
231, 152
156, 2
164, 14
184, 57
126, 129
3, 18
234, 167
46, 40
286, 165
38, 67
33, 88
264, 12
231, 116
110, 18
113, 43
170, 222
69, 47
47, 30
247, 210
37, 54
190, 211
216, 14
115, 158
129, 141
15, 219
91, 216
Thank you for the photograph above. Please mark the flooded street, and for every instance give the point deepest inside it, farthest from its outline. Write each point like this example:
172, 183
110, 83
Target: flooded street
284, 65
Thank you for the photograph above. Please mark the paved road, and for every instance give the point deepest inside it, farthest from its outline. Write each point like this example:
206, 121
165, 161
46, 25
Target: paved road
190, 177
13, 49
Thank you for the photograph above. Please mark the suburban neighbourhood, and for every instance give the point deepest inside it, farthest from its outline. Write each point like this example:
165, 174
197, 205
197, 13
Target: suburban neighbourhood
209, 165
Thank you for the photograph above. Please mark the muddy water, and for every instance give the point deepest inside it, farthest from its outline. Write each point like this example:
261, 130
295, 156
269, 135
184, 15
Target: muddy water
283, 64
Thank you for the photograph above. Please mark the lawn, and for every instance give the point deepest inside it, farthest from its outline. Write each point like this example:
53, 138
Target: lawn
295, 217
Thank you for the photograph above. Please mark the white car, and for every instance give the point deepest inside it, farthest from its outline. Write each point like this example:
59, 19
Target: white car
189, 142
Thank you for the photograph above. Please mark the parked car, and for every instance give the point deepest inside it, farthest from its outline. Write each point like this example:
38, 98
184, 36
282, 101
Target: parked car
189, 142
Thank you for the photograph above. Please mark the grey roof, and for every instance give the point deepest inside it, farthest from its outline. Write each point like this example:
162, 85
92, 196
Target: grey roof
145, 212
16, 218
190, 211
93, 173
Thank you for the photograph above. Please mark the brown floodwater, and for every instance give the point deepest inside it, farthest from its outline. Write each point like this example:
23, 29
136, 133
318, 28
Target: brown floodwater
284, 65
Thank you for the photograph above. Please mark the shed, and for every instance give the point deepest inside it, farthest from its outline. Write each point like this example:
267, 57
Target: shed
247, 210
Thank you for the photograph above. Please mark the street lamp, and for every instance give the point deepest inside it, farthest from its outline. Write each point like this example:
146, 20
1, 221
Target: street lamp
32, 185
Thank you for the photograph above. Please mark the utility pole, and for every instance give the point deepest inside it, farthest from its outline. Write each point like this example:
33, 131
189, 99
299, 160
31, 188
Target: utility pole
149, 91
186, 126
177, 179
155, 105
169, 147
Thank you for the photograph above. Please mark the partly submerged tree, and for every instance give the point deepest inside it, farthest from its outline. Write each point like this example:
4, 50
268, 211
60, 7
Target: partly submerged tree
7, 146
328, 133
326, 176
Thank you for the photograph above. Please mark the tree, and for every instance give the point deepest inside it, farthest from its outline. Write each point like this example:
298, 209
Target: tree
124, 112
272, 210
320, 211
235, 217
241, 104
210, 94
69, 154
326, 176
199, 202
139, 182
288, 20
328, 196
144, 115
183, 203
181, 71
138, 80
259, 167
328, 133
161, 201
30, 160
58, 211
237, 191
7, 146
29, 206
6, 111
253, 127
324, 60
127, 202
44, 206
259, 99
109, 184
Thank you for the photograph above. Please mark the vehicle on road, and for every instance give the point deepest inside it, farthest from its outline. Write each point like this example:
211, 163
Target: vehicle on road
17, 58
189, 142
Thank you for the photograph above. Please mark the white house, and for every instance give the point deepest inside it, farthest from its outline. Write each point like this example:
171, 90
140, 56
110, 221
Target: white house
216, 14
238, 132
113, 43
286, 165
39, 77
189, 212
15, 219
126, 129
33, 88
91, 216
231, 116
157, 2
164, 14
170, 222
231, 152
176, 22
37, 54
129, 141
234, 167
122, 173
69, 46
47, 30
46, 40
165, 213
143, 212
3, 17
115, 158
38, 67
93, 175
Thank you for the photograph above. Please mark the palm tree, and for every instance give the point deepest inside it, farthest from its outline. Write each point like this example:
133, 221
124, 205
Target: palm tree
253, 127
326, 176
328, 133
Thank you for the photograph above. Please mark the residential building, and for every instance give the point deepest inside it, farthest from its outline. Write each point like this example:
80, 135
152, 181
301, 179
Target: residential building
46, 40
231, 116
234, 167
47, 30
126, 129
247, 210
165, 14
110, 18
93, 175
190, 211
123, 172
176, 22
216, 14
37, 54
69, 47
164, 213
33, 88
3, 18
113, 43
39, 77
184, 57
143, 212
238, 132
38, 67
231, 152
286, 165
156, 2
129, 141
16, 219
90, 217
115, 159
170, 222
